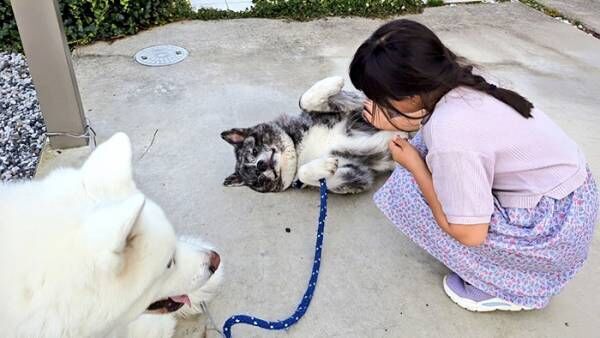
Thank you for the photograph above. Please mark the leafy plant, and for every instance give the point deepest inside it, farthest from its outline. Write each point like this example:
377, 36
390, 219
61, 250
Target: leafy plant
86, 21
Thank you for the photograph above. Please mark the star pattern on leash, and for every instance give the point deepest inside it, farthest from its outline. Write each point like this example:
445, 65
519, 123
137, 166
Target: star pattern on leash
308, 295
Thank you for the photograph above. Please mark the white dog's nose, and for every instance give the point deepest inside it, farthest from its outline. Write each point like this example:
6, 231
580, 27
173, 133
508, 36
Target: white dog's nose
215, 260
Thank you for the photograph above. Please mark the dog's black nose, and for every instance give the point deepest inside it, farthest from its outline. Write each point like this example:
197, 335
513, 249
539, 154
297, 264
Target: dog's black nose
262, 165
215, 261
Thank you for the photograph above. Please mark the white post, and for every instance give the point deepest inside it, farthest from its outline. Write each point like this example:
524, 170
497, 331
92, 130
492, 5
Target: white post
49, 59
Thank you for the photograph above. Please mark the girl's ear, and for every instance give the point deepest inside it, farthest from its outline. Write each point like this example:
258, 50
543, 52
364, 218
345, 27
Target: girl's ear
417, 100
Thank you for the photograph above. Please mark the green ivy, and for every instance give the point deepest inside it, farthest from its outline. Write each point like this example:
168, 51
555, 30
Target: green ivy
303, 10
86, 21
9, 36
435, 3
310, 9
89, 20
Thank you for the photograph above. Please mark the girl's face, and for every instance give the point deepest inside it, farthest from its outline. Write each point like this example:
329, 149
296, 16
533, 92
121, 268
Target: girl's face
408, 106
412, 107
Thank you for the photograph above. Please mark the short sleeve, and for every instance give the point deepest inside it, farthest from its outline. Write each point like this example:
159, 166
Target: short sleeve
463, 184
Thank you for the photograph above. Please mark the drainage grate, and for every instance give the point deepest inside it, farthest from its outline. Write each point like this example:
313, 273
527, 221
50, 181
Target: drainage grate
161, 55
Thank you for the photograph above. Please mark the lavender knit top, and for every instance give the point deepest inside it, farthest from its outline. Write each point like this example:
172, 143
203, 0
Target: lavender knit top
481, 149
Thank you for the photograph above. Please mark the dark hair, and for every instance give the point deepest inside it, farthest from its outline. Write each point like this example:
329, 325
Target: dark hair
404, 58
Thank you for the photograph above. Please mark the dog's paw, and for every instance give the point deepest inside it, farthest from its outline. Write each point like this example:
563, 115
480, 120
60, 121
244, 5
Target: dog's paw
330, 165
320, 168
316, 98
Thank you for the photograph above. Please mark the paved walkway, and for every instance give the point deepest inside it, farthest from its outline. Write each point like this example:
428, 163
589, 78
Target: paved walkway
374, 282
586, 11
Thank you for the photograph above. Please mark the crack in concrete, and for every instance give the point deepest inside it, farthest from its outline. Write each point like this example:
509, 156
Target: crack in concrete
98, 56
553, 12
549, 11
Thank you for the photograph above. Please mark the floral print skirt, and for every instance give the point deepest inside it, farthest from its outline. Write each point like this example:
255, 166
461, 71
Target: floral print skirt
529, 254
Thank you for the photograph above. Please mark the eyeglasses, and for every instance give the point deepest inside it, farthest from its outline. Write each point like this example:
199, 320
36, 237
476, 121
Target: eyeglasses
373, 111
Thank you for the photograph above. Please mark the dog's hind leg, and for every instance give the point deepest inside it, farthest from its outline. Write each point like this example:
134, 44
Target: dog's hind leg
351, 178
343, 176
327, 96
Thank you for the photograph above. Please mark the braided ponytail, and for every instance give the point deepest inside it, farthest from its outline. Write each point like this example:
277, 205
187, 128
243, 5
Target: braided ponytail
404, 58
511, 98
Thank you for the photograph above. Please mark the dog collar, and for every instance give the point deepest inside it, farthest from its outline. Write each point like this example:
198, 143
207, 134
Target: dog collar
298, 184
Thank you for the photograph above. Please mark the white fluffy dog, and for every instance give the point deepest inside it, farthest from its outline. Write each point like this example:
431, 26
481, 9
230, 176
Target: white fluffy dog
84, 253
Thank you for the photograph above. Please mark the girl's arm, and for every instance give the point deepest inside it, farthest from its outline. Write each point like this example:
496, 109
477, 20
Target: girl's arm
467, 234
407, 156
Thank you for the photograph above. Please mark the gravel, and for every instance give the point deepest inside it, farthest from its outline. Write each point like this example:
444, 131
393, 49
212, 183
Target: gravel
22, 129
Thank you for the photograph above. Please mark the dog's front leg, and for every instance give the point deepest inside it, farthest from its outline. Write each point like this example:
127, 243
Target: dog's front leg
311, 172
152, 326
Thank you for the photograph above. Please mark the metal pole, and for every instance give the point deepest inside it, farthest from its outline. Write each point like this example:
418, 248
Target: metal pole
49, 59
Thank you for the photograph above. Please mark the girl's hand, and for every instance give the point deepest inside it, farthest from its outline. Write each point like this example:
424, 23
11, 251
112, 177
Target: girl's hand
406, 155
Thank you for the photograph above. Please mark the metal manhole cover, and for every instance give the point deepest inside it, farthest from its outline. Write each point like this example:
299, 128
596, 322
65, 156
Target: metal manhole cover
161, 55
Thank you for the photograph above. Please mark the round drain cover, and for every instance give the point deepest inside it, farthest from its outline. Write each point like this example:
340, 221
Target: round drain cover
161, 55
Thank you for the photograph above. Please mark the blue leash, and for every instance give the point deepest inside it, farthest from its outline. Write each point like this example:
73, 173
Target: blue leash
312, 283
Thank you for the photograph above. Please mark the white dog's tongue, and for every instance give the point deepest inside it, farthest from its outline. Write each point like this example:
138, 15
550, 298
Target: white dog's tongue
182, 299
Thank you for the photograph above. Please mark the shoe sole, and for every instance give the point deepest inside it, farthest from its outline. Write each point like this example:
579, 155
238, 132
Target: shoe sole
474, 306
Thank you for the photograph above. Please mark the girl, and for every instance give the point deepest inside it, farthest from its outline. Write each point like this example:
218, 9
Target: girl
490, 186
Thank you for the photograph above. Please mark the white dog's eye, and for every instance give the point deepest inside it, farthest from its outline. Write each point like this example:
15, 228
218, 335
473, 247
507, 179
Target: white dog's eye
171, 263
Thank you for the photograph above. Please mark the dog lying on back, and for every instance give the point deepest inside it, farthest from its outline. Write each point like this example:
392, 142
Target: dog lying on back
329, 139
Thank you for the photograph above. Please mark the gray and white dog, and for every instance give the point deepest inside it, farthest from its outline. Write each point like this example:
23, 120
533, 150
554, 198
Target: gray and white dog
329, 139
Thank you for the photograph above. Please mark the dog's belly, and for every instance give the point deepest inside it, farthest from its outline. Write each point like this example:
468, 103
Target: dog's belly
320, 140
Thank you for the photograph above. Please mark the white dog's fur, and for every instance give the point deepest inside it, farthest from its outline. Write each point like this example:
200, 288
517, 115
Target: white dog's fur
84, 253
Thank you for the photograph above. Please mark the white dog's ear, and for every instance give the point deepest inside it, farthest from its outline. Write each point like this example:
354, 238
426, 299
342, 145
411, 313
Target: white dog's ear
109, 227
108, 170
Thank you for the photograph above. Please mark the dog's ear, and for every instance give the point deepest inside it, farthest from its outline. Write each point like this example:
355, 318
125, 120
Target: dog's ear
108, 170
233, 180
108, 229
235, 136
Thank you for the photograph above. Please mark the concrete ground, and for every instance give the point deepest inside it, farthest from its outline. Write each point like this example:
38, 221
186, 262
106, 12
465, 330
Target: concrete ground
586, 11
374, 282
